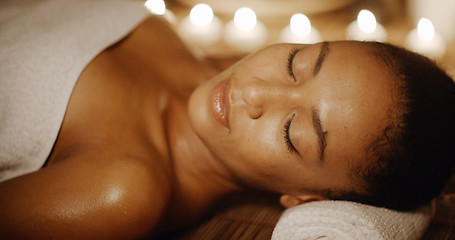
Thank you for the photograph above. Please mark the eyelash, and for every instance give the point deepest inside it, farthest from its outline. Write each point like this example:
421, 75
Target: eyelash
287, 139
291, 56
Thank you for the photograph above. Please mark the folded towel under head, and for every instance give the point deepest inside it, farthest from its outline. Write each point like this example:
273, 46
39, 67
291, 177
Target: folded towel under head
349, 220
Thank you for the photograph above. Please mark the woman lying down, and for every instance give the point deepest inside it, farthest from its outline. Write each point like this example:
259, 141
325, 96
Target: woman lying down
150, 137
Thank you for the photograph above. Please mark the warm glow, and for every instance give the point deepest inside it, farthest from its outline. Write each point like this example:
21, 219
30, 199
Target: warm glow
425, 29
245, 19
366, 21
201, 15
156, 6
300, 25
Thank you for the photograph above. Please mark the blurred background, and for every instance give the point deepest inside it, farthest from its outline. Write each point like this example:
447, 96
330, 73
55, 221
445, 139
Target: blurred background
217, 28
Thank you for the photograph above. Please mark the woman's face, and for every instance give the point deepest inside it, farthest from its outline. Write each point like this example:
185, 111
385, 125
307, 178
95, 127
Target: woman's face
294, 118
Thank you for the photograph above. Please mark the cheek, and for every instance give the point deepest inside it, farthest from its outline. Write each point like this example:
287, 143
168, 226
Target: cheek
260, 144
197, 110
262, 147
270, 62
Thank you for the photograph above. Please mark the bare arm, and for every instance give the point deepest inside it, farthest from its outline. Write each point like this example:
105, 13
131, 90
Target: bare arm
86, 199
101, 195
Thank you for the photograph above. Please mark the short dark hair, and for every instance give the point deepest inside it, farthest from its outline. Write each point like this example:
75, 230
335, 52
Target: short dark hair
414, 156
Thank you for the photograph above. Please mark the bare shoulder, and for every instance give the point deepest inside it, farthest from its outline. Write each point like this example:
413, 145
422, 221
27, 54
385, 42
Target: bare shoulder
155, 46
122, 198
134, 193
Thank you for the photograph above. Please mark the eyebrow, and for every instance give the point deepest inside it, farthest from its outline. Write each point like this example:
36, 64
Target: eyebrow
321, 58
319, 132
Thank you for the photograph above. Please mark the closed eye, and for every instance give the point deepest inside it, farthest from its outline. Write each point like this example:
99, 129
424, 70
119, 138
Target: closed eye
287, 138
291, 56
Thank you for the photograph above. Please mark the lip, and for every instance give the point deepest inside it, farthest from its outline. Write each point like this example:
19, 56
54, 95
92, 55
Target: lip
220, 104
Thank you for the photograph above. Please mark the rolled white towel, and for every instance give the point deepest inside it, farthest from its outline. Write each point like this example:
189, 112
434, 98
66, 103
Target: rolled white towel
330, 220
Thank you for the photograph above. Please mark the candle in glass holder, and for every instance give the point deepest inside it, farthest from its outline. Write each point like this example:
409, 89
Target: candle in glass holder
300, 30
201, 26
158, 7
440, 12
245, 33
425, 40
365, 28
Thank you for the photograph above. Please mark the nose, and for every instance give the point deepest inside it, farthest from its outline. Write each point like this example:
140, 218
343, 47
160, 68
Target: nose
260, 95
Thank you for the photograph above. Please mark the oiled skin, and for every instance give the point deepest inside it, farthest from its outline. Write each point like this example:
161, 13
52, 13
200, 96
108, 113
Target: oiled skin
116, 169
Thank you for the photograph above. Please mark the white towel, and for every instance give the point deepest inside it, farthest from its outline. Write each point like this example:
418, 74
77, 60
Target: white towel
44, 46
330, 220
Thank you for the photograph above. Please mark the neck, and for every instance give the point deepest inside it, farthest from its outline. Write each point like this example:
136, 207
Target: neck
195, 166
200, 180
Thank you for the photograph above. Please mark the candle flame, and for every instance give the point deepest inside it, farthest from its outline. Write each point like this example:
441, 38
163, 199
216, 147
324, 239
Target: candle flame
156, 6
201, 15
425, 29
245, 19
300, 25
366, 21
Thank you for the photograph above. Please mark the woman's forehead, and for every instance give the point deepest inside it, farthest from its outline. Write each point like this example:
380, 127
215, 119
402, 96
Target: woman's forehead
356, 101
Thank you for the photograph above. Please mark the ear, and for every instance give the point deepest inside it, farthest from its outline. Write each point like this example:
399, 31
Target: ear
293, 200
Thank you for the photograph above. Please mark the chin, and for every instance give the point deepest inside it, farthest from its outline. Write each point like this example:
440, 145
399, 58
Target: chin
201, 118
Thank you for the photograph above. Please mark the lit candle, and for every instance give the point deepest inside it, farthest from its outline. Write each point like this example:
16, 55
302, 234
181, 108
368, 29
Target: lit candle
158, 7
300, 30
245, 33
201, 27
425, 40
365, 28
441, 13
